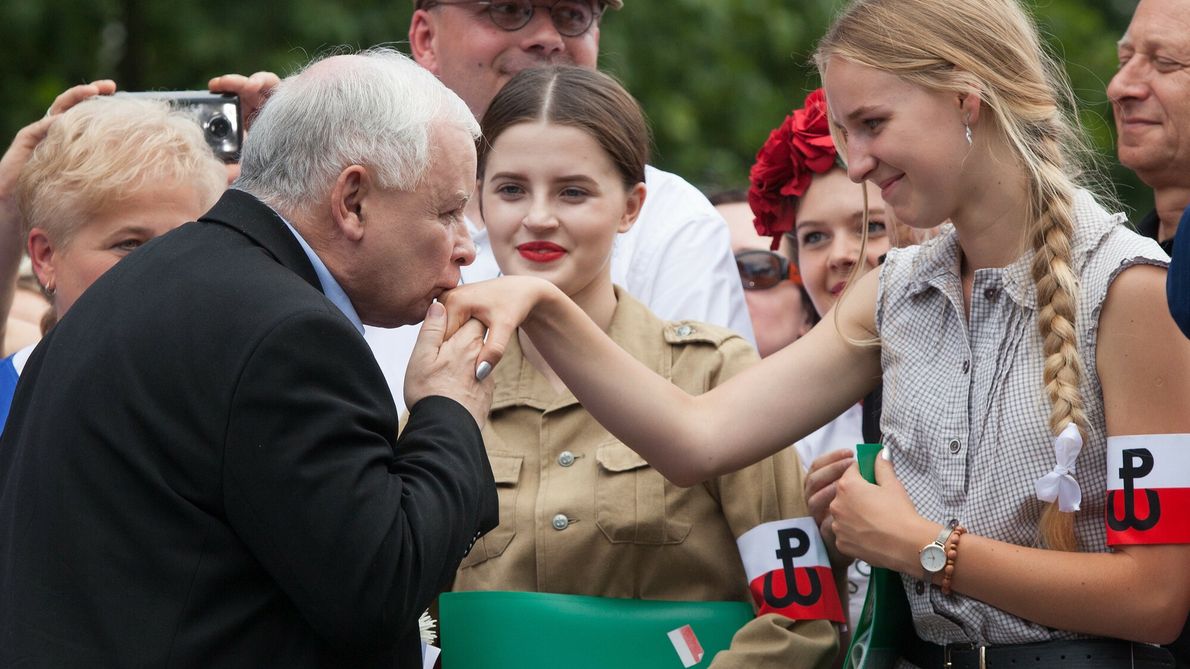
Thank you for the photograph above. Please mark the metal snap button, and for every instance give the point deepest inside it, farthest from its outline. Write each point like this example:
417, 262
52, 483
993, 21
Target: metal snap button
954, 446
990, 294
566, 458
560, 522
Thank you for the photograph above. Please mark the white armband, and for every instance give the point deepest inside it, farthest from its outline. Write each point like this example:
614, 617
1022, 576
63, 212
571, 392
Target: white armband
1148, 489
788, 570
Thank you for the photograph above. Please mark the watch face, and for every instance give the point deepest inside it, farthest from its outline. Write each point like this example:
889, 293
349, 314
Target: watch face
933, 558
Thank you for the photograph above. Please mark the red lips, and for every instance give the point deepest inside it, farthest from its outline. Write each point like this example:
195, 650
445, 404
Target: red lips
542, 252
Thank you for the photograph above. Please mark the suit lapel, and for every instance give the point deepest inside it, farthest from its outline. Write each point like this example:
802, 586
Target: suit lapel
241, 211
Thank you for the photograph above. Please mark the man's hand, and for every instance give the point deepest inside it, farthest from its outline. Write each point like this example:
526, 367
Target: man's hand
253, 91
446, 367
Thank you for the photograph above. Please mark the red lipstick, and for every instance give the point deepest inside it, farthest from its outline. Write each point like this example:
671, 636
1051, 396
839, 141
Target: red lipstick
542, 252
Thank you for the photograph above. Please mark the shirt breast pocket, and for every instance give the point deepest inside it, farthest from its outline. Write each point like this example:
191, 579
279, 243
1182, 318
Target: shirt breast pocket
506, 470
634, 503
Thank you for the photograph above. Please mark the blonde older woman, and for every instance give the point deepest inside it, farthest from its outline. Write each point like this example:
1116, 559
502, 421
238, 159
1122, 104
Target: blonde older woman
110, 174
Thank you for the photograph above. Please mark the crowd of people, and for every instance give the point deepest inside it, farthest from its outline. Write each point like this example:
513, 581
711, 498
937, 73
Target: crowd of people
444, 328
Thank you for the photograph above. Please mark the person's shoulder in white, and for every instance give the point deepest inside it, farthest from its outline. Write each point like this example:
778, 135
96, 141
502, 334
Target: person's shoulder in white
677, 259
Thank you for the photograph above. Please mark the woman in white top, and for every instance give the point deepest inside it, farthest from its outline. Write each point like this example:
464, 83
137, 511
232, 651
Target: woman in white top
1002, 343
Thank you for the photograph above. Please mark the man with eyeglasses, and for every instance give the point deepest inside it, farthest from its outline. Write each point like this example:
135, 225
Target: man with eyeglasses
677, 258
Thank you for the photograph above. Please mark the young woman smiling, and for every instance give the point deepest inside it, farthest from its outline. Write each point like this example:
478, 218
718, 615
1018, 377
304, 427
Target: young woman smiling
561, 175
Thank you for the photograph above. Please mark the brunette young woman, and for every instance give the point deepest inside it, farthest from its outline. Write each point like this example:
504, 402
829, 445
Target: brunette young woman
561, 173
1016, 395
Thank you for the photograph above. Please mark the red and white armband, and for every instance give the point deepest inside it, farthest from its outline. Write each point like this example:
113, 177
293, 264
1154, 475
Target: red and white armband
788, 570
1148, 489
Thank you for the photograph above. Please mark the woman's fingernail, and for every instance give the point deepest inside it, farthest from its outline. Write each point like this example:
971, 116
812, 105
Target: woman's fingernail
482, 371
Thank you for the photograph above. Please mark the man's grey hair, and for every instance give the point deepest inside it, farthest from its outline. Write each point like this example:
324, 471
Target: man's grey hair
377, 110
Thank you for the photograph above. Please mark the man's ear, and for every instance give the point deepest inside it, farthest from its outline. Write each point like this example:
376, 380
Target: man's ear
423, 42
41, 253
636, 201
351, 188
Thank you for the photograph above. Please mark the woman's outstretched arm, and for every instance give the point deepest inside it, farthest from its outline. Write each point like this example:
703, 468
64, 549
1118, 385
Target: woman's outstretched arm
688, 439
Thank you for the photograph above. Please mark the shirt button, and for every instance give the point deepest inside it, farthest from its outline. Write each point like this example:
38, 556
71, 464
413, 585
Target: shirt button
685, 331
954, 446
990, 294
560, 522
566, 458
921, 588
966, 366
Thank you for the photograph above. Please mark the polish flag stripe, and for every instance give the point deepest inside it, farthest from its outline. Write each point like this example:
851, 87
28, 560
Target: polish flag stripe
768, 549
1148, 489
687, 646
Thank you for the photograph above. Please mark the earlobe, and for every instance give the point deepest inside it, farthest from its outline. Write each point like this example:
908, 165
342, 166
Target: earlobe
347, 201
969, 107
41, 253
422, 40
635, 202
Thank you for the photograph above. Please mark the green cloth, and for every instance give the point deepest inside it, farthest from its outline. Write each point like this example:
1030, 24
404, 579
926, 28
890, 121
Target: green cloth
885, 620
529, 630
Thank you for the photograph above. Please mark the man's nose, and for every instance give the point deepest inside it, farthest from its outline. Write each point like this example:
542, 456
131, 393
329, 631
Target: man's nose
464, 251
540, 36
1130, 81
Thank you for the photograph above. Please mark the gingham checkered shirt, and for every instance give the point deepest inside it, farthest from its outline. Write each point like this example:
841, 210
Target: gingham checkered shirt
966, 418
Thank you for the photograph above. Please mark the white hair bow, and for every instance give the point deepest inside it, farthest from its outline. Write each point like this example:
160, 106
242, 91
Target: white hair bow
1059, 484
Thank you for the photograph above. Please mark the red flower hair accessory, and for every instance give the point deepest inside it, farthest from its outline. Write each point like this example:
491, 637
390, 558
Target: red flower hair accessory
797, 150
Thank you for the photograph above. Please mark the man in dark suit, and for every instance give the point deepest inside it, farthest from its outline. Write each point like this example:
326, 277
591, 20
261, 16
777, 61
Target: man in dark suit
201, 466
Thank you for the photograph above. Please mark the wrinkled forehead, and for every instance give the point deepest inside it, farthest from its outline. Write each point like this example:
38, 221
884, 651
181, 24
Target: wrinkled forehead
1159, 24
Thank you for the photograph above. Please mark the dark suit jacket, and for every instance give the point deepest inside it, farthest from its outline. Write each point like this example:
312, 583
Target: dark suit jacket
201, 469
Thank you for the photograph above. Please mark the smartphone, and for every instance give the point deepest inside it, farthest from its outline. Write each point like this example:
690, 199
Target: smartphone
218, 114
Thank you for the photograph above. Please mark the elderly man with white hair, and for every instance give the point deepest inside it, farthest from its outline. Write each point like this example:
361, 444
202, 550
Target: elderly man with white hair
201, 466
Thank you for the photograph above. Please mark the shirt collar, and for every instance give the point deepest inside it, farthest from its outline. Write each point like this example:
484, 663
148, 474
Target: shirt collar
330, 288
936, 265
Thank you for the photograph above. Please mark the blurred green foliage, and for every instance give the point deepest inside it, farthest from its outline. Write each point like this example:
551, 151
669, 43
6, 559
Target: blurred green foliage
714, 76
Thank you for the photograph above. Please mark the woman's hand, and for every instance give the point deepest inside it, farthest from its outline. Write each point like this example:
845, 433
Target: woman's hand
500, 304
820, 487
26, 141
878, 523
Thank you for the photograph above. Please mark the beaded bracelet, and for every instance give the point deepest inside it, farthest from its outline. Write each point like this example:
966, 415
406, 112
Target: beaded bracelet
952, 552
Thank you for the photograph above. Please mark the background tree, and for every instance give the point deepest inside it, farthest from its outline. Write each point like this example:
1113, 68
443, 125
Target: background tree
714, 76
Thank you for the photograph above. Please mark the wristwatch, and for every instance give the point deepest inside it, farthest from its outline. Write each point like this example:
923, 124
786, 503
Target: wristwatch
933, 555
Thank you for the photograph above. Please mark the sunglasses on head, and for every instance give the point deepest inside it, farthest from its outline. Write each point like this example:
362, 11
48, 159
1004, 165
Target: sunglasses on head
571, 18
760, 270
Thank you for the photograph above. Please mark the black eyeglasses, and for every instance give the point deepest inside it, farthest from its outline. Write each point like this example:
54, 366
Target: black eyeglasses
571, 18
760, 270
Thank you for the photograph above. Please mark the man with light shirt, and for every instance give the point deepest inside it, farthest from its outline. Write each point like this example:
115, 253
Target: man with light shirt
677, 259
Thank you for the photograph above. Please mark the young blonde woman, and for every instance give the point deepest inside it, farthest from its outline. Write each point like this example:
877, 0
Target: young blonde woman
561, 175
1019, 403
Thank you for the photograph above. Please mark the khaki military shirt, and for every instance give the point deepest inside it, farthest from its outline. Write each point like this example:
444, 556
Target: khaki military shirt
581, 513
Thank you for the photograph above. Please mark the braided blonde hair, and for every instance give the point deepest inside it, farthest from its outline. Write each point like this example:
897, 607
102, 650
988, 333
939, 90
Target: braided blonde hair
993, 47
